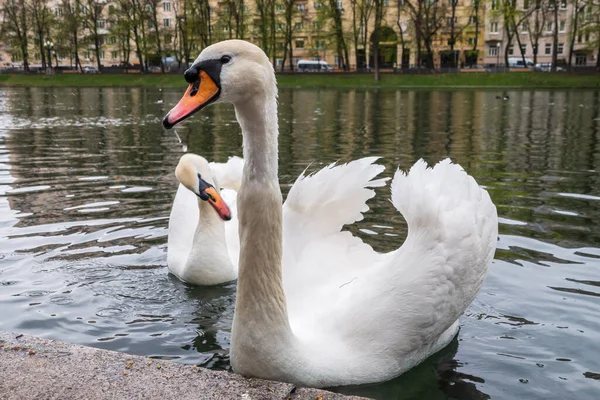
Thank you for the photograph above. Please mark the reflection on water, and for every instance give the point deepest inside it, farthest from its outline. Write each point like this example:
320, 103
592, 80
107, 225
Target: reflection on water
86, 184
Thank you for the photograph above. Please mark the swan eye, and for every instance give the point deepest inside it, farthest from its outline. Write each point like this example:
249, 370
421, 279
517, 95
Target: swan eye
225, 59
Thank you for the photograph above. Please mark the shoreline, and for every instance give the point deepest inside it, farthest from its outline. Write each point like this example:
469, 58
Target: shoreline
492, 81
33, 368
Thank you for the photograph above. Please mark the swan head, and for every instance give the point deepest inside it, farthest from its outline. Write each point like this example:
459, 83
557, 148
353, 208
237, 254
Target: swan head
232, 71
194, 173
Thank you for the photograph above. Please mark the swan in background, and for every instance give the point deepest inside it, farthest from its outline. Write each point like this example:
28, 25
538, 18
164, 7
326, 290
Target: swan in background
352, 315
203, 249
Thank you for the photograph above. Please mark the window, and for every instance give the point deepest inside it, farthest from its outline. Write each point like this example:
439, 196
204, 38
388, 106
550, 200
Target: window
100, 23
299, 43
320, 44
340, 6
168, 38
451, 21
523, 49
225, 28
279, 62
548, 49
494, 4
281, 26
166, 22
301, 7
111, 9
166, 6
473, 19
579, 38
298, 26
386, 3
58, 11
525, 28
493, 51
194, 46
112, 39
280, 46
561, 25
317, 25
114, 54
525, 4
494, 27
587, 37
561, 48
563, 3
471, 41
318, 4
580, 59
101, 54
511, 50
280, 7
84, 10
549, 27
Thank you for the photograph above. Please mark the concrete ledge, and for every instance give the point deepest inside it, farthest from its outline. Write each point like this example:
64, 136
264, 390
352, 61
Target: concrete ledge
36, 368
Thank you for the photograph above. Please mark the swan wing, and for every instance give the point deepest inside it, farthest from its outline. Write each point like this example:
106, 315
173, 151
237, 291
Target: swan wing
316, 252
182, 225
229, 174
395, 312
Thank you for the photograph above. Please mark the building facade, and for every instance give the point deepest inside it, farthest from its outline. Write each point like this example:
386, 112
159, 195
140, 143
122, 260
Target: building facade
463, 33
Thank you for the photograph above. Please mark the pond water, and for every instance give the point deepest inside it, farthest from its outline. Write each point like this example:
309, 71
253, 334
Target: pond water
86, 184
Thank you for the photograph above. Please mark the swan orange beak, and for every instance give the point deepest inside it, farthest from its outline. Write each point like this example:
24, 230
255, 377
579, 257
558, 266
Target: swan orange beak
216, 201
198, 94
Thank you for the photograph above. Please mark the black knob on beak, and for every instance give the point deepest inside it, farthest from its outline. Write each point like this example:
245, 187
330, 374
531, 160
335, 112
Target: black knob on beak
191, 75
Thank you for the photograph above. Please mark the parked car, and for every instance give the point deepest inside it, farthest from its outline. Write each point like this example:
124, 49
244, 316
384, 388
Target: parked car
154, 69
547, 67
90, 70
313, 66
517, 62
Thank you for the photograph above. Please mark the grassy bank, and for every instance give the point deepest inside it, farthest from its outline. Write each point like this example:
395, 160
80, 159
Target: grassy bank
514, 79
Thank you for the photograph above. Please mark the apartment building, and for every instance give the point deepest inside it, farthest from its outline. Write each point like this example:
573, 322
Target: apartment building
475, 30
535, 34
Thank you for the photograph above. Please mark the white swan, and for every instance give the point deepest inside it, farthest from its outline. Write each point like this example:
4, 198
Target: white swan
353, 316
202, 249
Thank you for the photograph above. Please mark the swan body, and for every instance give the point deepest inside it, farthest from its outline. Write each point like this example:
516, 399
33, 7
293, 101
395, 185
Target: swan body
202, 249
337, 312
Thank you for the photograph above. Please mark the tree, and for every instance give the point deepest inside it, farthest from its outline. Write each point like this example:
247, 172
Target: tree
287, 29
454, 29
152, 9
73, 23
204, 29
376, 31
535, 25
266, 26
335, 11
121, 31
512, 18
361, 14
427, 18
16, 26
93, 16
578, 7
476, 7
41, 18
555, 5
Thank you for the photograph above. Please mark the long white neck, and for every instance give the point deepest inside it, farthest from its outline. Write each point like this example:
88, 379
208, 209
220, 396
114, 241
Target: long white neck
261, 325
208, 262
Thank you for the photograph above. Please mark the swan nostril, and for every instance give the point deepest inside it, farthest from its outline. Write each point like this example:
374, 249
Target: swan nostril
191, 75
195, 87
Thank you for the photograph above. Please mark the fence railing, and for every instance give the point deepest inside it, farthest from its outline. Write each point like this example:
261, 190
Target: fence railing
409, 70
